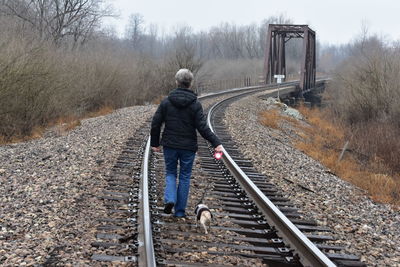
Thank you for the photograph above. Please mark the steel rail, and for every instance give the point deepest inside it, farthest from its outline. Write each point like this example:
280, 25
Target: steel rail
247, 89
309, 254
145, 236
255, 87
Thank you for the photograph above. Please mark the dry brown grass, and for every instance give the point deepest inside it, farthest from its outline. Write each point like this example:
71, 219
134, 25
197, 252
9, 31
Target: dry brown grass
324, 141
61, 125
37, 132
18, 139
158, 100
66, 124
291, 120
270, 118
69, 123
100, 112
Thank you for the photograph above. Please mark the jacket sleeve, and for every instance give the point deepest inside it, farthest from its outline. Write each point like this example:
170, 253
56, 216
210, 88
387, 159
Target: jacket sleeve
202, 127
156, 123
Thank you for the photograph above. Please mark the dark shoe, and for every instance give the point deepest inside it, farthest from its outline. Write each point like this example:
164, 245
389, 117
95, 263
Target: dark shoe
168, 208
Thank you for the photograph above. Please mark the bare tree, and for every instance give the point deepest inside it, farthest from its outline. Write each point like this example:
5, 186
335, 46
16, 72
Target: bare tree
58, 20
185, 50
134, 30
281, 19
216, 43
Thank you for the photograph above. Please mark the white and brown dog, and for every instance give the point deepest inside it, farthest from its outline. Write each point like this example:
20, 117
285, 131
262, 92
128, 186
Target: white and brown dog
204, 216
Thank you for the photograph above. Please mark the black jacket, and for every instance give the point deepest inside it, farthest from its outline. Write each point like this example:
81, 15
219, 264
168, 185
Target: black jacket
182, 114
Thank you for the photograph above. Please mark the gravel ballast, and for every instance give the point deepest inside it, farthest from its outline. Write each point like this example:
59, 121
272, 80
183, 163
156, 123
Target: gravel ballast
366, 228
49, 189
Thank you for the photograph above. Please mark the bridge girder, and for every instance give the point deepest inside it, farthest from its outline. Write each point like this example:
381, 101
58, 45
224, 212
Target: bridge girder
275, 58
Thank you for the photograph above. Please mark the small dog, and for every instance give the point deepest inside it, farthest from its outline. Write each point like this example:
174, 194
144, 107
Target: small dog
203, 214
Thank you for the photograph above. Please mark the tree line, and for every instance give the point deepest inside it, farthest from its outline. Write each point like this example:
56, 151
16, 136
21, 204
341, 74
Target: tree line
57, 60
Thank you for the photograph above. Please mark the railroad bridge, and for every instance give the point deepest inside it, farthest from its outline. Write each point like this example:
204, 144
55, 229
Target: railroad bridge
307, 89
275, 57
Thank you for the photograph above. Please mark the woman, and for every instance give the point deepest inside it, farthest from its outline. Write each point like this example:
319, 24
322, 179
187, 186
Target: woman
182, 115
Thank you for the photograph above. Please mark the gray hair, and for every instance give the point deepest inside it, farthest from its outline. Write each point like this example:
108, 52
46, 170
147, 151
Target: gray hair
184, 78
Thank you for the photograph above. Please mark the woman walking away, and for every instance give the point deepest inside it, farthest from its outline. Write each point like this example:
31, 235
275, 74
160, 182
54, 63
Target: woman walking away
182, 115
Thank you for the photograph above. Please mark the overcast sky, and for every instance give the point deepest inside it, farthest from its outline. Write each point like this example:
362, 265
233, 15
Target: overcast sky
335, 21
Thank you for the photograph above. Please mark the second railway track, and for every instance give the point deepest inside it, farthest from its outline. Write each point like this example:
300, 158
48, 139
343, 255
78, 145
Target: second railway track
243, 232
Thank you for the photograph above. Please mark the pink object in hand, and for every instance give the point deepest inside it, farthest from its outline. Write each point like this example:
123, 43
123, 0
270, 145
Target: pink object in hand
218, 155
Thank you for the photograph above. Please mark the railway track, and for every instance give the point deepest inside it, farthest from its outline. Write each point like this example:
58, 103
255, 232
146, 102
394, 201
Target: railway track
253, 225
117, 230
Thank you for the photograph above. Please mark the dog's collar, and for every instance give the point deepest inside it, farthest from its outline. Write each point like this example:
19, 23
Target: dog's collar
199, 206
199, 209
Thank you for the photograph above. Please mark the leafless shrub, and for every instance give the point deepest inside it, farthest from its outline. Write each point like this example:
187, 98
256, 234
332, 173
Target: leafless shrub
366, 95
367, 83
379, 141
25, 74
40, 83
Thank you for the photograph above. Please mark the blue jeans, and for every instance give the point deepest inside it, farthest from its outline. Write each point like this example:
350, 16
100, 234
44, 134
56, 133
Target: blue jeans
172, 195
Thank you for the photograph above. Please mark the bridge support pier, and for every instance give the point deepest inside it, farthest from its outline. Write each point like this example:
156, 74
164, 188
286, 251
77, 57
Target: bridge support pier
311, 98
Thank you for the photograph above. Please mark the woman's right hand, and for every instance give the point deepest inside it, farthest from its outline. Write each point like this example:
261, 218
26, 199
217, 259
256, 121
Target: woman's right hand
218, 148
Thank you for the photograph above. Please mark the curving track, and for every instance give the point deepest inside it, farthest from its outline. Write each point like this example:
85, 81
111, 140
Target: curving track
254, 225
